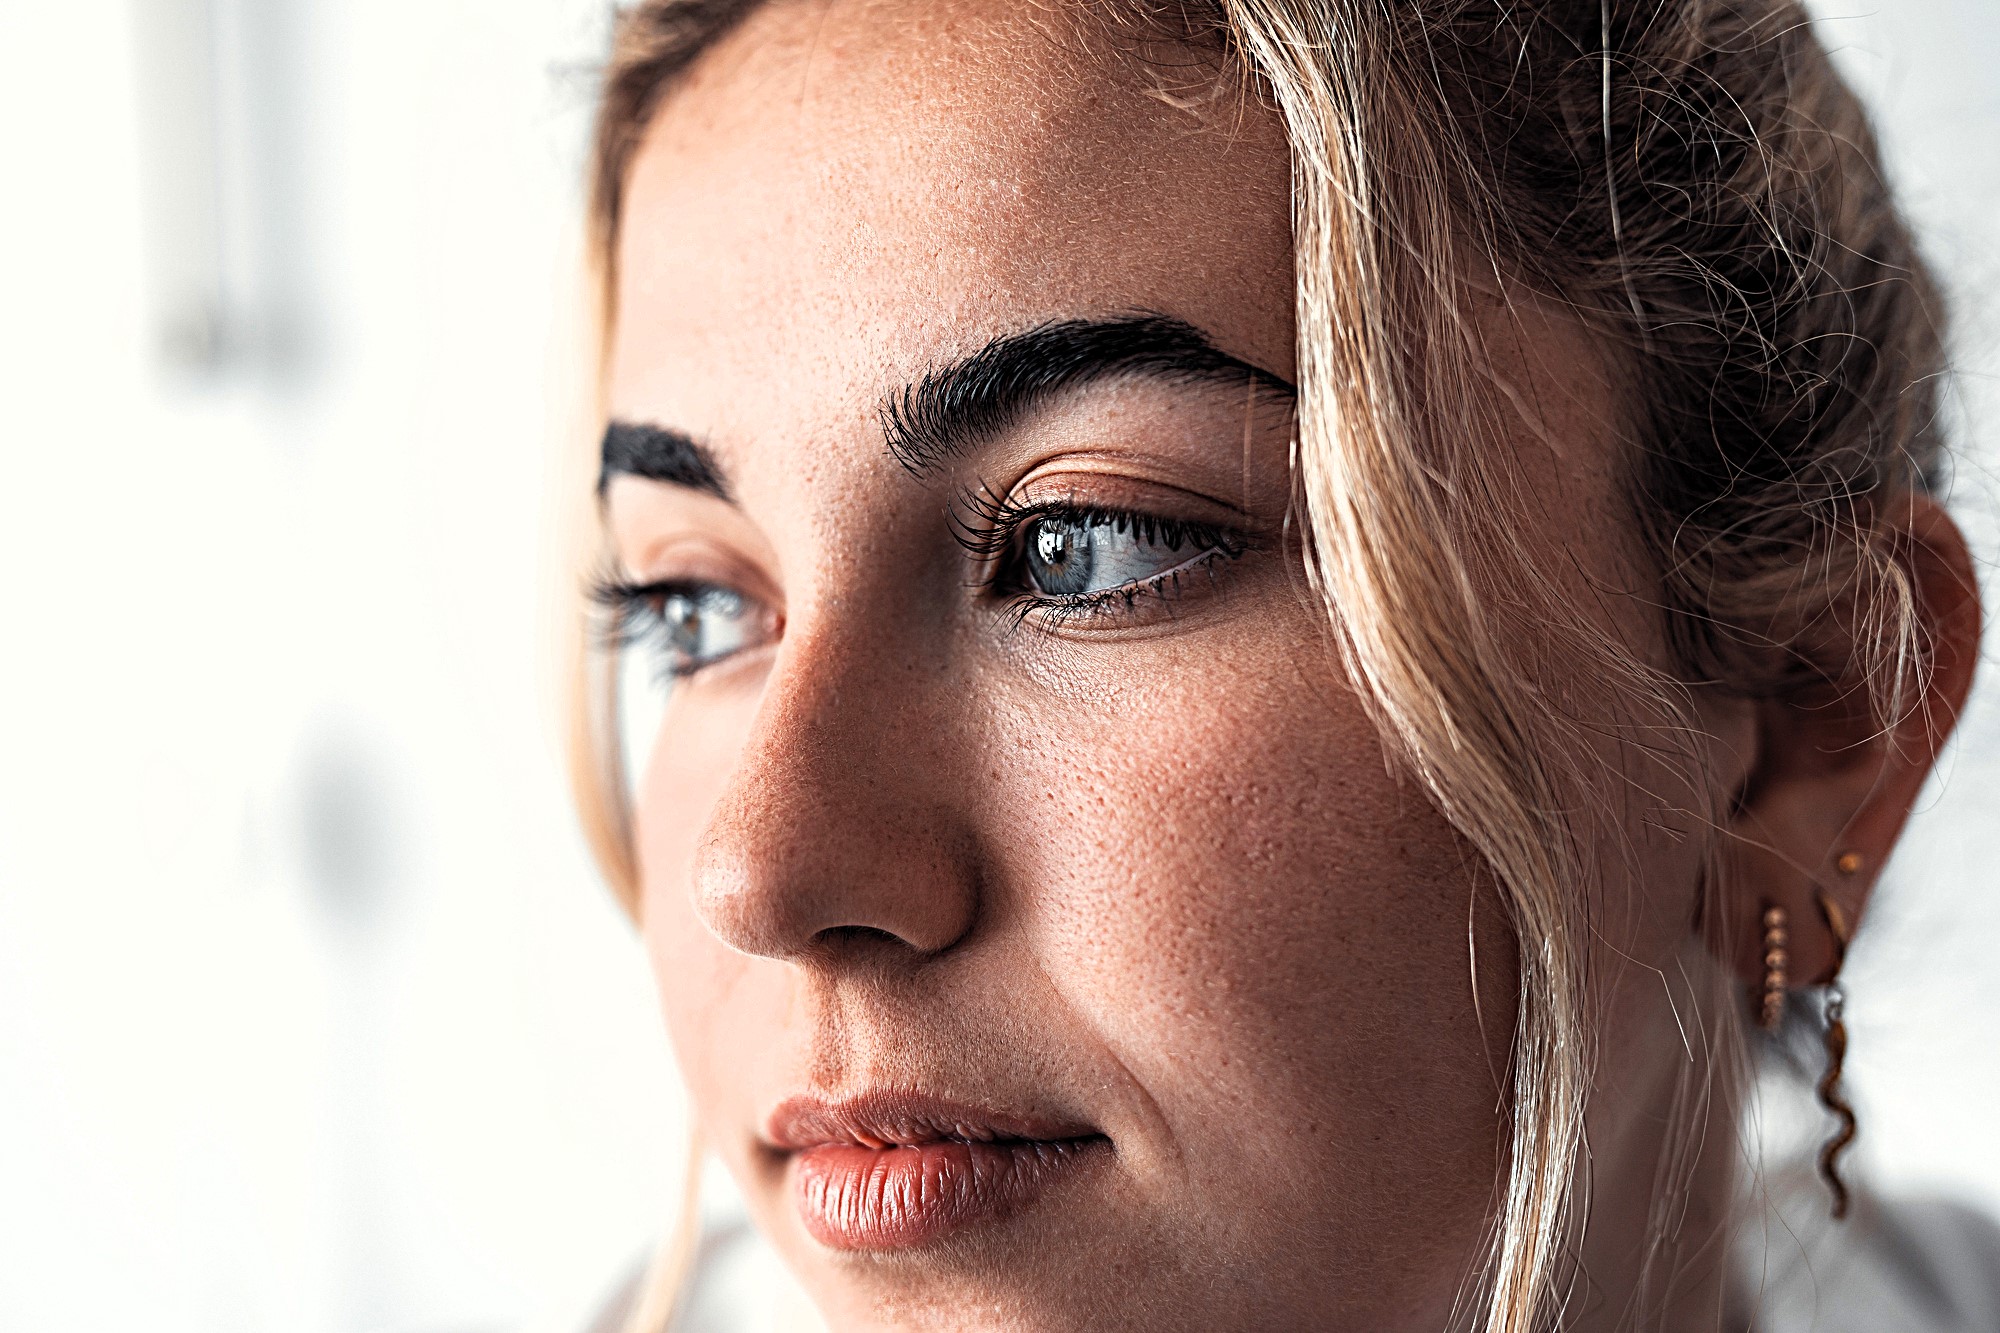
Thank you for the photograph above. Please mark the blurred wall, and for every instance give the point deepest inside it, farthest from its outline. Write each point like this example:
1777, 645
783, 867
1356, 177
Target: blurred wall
312, 1014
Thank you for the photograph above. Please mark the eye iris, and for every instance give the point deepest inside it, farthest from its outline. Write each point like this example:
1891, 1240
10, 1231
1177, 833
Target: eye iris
682, 618
1061, 557
697, 626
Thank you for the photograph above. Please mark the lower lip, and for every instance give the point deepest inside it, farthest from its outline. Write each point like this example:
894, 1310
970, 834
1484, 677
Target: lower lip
901, 1197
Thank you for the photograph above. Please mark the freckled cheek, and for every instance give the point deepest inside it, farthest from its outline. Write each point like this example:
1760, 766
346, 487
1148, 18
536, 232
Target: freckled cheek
1271, 932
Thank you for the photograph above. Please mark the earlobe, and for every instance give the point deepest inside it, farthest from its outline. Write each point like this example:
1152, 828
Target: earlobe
1834, 780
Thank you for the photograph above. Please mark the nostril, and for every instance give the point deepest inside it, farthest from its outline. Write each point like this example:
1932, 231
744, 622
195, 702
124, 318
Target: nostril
836, 935
859, 940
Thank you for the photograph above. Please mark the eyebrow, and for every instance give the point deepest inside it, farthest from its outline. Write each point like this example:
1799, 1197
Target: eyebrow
658, 454
952, 407
942, 415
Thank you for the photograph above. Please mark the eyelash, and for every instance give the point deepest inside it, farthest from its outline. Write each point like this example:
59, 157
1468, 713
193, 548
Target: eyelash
993, 536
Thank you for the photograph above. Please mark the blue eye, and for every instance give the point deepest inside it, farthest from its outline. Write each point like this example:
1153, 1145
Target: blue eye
1080, 555
682, 628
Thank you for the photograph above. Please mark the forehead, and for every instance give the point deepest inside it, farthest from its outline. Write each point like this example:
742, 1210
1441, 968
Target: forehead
839, 194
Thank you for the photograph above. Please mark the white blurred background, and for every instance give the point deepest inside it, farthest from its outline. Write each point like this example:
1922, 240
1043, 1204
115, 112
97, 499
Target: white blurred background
313, 1016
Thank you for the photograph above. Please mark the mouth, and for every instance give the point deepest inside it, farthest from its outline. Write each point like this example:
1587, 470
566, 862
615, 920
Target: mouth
897, 1171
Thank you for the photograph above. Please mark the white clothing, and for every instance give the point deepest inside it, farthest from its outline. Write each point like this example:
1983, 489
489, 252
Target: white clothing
1904, 1266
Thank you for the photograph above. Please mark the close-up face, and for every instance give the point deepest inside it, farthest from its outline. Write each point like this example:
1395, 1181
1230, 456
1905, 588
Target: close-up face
1047, 937
1000, 666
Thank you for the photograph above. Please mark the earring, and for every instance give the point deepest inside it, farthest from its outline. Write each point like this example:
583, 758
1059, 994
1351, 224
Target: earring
1830, 1093
1777, 934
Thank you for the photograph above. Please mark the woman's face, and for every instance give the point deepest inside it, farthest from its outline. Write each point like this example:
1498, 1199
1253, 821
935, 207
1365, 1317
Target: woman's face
1045, 937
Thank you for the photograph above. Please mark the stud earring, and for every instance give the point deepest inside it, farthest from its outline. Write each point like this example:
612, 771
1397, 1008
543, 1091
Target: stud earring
1777, 936
1831, 1096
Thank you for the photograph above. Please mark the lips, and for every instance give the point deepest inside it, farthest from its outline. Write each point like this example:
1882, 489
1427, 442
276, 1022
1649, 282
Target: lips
894, 1171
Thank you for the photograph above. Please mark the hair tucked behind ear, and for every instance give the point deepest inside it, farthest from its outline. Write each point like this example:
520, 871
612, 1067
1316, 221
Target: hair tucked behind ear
1695, 183
1691, 178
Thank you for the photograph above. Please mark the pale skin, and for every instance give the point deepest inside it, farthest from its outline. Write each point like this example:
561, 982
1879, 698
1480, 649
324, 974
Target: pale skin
1147, 868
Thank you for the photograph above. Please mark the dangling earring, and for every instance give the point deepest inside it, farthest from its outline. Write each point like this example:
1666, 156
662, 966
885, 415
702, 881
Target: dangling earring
1777, 935
1830, 1094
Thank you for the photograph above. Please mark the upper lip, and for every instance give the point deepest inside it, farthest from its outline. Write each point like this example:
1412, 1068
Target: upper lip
889, 1119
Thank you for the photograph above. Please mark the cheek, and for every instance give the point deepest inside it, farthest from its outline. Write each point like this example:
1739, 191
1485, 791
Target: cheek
1271, 933
705, 997
723, 1010
1214, 895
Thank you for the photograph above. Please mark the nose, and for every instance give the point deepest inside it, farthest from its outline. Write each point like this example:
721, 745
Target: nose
836, 830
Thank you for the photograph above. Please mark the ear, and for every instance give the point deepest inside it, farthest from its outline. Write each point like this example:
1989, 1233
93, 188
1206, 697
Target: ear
1832, 781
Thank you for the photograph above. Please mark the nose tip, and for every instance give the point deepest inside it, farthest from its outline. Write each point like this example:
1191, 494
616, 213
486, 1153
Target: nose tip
798, 866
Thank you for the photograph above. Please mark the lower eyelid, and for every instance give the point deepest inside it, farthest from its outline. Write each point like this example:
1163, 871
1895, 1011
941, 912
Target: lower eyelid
1125, 594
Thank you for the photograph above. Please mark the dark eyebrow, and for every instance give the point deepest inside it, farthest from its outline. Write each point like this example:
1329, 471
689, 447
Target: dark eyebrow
937, 418
636, 449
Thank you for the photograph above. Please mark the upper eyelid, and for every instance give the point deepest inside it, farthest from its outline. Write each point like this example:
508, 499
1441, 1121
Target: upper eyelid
615, 592
1004, 518
692, 557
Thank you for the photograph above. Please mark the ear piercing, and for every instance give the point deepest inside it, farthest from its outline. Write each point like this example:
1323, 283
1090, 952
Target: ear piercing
1771, 1014
1831, 1096
1777, 936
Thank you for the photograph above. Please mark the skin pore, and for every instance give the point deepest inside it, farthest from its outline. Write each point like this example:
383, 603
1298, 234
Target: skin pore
916, 302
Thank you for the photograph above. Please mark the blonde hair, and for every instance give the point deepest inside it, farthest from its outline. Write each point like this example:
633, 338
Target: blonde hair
1692, 181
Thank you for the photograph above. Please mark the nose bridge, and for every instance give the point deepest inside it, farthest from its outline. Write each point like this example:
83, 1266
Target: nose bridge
837, 817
